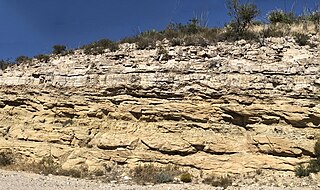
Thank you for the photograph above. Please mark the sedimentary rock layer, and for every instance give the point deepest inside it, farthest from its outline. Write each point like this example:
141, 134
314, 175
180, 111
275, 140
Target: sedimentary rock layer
227, 108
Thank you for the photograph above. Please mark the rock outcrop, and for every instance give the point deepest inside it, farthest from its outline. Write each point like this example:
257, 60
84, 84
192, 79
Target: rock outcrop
227, 108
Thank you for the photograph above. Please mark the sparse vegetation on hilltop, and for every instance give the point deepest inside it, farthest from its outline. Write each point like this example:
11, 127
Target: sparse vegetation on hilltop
4, 64
100, 46
22, 59
195, 32
59, 49
242, 15
43, 58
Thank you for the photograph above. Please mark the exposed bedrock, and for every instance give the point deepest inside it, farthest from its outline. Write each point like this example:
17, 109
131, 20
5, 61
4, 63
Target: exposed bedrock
228, 108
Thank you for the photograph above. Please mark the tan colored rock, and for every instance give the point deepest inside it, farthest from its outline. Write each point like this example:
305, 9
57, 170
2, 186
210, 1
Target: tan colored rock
225, 108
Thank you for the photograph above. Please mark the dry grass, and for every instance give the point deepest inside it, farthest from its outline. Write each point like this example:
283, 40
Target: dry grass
218, 181
150, 173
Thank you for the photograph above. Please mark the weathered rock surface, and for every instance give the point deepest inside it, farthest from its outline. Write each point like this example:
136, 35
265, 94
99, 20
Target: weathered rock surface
228, 108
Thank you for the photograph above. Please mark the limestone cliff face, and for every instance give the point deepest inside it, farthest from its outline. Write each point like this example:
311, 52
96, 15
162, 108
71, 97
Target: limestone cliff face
228, 108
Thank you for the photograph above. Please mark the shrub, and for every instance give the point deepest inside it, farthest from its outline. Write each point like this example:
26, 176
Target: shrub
148, 39
222, 181
192, 27
59, 49
22, 59
43, 58
100, 46
315, 17
313, 165
176, 42
242, 15
301, 171
47, 165
6, 158
302, 39
192, 33
272, 31
195, 40
152, 174
186, 177
317, 149
4, 64
279, 16
163, 177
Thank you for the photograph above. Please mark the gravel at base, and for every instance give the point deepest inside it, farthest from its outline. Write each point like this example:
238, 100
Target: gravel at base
10, 180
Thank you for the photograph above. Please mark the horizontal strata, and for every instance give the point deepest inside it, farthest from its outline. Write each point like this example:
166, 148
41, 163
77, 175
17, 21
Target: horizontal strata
227, 108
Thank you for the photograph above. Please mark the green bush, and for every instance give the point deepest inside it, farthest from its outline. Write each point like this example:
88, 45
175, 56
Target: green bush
163, 177
191, 33
100, 46
302, 171
6, 158
315, 17
196, 40
148, 39
313, 166
179, 29
186, 177
4, 64
152, 174
242, 16
317, 149
302, 39
59, 49
22, 59
43, 58
279, 16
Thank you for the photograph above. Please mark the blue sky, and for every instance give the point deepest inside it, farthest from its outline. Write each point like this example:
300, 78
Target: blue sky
30, 27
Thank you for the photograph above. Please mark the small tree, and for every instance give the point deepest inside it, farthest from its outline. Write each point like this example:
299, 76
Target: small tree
279, 16
242, 15
59, 49
43, 58
22, 59
98, 47
4, 64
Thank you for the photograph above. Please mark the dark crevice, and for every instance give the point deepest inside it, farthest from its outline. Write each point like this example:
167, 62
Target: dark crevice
30, 140
198, 120
171, 153
159, 95
306, 152
15, 103
237, 119
70, 115
197, 126
105, 111
116, 102
66, 105
220, 153
137, 115
282, 154
198, 147
36, 75
104, 147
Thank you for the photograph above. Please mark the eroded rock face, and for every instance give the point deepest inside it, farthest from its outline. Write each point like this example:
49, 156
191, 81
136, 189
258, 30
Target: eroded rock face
228, 108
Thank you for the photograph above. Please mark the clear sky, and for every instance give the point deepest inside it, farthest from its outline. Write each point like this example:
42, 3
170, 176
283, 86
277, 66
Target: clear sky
30, 27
